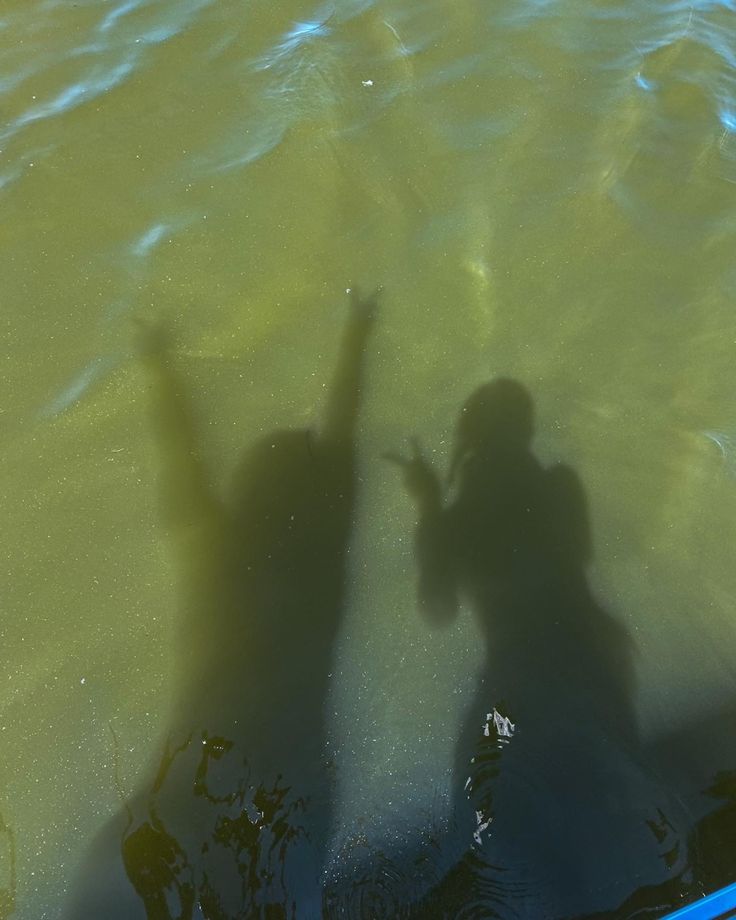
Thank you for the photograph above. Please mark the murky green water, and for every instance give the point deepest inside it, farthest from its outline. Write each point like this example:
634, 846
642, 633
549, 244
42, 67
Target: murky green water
204, 535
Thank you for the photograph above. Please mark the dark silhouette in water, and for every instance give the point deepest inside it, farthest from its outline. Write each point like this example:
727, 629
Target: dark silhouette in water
235, 865
549, 792
703, 858
238, 815
709, 862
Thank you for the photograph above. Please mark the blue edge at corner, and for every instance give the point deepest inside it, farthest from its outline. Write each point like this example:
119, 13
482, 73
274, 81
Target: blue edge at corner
721, 904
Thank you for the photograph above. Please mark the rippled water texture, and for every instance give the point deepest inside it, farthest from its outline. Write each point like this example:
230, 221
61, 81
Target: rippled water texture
260, 647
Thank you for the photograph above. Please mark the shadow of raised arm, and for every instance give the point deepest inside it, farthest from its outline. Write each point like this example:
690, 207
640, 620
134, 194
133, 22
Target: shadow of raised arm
187, 498
343, 400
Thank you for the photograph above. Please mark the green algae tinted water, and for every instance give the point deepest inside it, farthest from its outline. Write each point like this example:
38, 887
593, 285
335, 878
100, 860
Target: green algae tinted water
368, 466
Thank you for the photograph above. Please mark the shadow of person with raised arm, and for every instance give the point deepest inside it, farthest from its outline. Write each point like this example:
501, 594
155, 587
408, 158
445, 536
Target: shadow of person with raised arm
236, 819
548, 788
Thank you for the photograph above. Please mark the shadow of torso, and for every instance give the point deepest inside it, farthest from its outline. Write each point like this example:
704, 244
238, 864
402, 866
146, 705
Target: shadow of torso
257, 664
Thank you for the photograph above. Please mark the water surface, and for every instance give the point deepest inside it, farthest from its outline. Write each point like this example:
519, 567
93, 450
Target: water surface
545, 193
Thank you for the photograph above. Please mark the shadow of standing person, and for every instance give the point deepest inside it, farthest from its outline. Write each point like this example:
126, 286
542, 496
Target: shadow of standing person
262, 579
548, 790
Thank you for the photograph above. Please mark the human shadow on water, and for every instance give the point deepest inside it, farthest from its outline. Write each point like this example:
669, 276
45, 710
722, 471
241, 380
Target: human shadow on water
550, 791
235, 822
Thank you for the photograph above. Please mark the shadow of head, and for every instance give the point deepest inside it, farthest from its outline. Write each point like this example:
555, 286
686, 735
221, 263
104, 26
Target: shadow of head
497, 417
527, 507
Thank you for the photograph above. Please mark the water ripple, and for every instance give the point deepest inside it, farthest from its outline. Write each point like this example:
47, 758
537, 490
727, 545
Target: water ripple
262, 140
72, 96
26, 161
294, 39
726, 443
149, 239
114, 15
106, 75
72, 393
